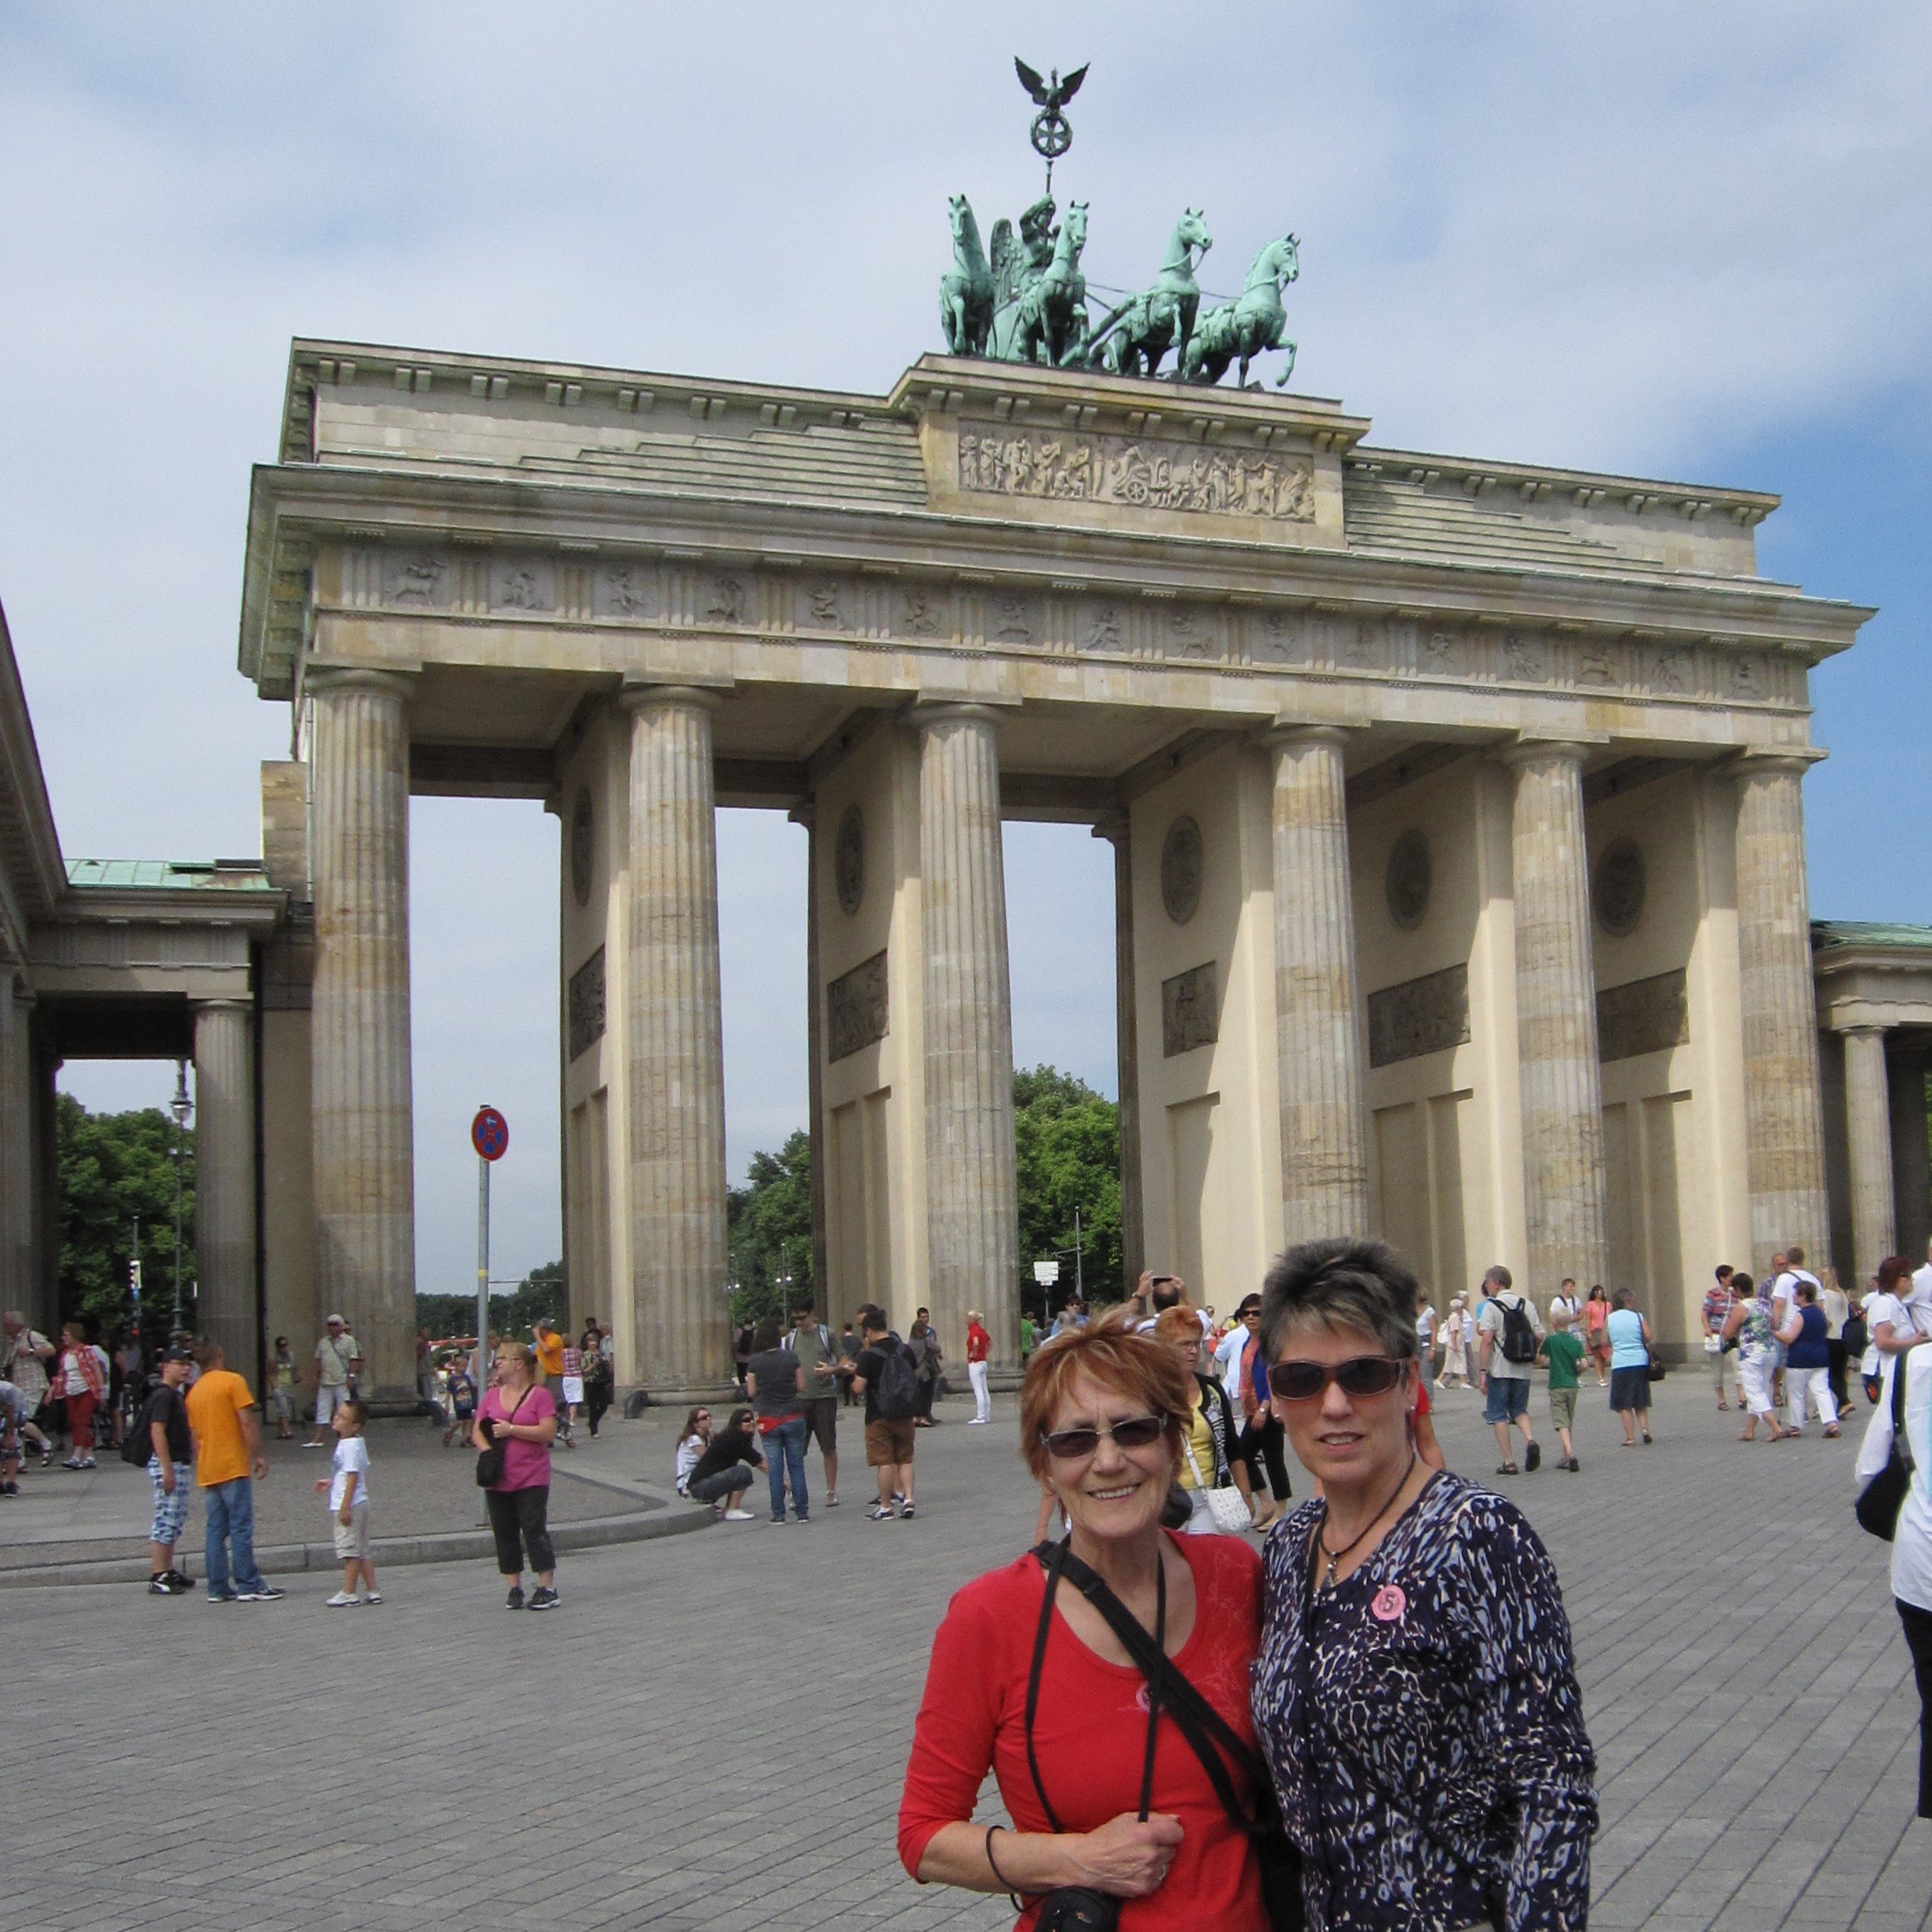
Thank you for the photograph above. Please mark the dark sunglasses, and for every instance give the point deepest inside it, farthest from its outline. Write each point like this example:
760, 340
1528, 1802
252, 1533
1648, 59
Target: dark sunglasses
1362, 1375
1136, 1432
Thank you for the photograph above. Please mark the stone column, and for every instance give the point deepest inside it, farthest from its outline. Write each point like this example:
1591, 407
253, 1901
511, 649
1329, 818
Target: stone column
364, 1147
1561, 1080
1868, 1124
1784, 1117
225, 1182
973, 1214
1115, 827
16, 1142
1318, 1039
807, 815
1911, 1156
676, 1074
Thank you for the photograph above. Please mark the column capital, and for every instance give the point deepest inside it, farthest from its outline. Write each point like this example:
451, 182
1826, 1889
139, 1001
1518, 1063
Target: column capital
1792, 761
642, 697
396, 681
928, 713
201, 1007
1285, 734
1859, 1029
1536, 751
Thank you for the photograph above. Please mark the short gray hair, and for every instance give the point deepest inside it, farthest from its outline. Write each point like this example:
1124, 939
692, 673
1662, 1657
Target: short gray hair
1340, 1283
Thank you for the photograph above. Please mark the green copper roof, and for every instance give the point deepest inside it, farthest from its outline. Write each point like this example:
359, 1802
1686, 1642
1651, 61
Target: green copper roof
1868, 933
180, 875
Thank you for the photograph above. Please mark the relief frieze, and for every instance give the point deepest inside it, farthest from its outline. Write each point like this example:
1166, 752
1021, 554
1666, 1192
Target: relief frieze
1642, 1016
1426, 1015
1145, 475
1190, 1010
584, 1003
855, 1014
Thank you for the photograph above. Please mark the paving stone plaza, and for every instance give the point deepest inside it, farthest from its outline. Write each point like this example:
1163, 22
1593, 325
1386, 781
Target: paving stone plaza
711, 1734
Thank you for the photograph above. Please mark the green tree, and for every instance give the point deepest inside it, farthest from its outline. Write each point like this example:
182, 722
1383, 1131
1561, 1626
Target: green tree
1067, 1139
112, 1167
544, 1291
769, 1223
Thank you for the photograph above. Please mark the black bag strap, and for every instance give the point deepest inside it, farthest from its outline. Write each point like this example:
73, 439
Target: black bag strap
1198, 1722
1054, 1558
1902, 1446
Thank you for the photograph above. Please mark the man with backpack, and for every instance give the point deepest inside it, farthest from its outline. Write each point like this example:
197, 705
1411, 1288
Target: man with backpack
818, 1369
887, 1379
1512, 1331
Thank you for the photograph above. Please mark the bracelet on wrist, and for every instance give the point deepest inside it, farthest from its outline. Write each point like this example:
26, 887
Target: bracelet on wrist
999, 1876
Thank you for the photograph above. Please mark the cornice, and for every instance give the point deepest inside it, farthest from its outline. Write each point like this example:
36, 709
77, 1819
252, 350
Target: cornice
294, 507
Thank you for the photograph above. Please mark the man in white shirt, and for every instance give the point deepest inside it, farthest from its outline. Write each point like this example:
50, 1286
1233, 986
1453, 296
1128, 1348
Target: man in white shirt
1565, 1303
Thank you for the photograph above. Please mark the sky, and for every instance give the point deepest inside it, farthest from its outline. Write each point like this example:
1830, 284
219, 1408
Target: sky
1686, 242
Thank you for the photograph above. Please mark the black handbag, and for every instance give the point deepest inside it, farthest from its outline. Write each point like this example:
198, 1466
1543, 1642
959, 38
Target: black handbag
1881, 1500
1208, 1735
491, 1463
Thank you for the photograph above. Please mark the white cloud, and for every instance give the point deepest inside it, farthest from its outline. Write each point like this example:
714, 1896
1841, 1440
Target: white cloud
1626, 236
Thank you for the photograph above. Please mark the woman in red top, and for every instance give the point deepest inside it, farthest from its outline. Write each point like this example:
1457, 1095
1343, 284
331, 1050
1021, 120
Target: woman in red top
1101, 1413
978, 1342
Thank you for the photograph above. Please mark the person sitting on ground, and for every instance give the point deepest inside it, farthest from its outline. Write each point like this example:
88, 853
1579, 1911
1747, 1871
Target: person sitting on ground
717, 1466
1106, 1792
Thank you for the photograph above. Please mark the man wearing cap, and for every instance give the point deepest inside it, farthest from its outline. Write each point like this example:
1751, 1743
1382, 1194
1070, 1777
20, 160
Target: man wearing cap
170, 1469
338, 1360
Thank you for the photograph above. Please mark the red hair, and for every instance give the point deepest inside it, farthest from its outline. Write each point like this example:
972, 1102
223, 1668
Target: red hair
1118, 1359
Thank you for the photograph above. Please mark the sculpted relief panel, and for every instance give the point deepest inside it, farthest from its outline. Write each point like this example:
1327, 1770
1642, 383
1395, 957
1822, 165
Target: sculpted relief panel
1420, 1017
1144, 475
856, 1014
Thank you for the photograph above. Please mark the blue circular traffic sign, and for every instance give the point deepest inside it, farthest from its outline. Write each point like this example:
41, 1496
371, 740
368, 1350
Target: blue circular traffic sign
489, 1133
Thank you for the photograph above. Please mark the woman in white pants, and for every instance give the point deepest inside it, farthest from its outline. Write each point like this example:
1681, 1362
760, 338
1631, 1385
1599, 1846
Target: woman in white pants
1749, 1325
979, 1342
1807, 1363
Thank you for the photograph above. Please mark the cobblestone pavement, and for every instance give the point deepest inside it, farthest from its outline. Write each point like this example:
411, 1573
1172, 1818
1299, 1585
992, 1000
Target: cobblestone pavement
711, 1733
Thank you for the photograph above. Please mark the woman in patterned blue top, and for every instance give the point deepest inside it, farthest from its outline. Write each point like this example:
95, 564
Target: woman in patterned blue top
1414, 1692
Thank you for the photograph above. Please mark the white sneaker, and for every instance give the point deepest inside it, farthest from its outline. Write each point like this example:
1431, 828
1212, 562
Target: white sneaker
342, 1600
739, 1516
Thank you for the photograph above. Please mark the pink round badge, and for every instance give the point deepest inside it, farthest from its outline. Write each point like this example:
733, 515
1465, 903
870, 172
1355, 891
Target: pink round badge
1389, 1604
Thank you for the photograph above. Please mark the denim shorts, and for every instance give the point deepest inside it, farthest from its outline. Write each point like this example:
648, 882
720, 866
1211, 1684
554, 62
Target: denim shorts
1507, 1398
171, 1512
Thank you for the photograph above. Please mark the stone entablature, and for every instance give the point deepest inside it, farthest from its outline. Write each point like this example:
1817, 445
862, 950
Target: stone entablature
1240, 561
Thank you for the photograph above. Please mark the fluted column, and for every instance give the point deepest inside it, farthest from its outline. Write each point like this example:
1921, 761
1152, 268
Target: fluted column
16, 1143
972, 1214
364, 1145
1319, 1040
1116, 829
1561, 1084
676, 1094
225, 1180
807, 815
1783, 1119
1868, 1121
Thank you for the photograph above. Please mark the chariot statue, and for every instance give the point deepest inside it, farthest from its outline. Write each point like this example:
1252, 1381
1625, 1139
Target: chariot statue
1135, 336
1241, 330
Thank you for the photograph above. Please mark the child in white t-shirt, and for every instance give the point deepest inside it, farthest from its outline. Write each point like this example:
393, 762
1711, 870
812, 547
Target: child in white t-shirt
348, 1504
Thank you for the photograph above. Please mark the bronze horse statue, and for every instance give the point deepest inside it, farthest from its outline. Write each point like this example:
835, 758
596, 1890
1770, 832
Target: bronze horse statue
1243, 329
1052, 322
966, 289
1134, 337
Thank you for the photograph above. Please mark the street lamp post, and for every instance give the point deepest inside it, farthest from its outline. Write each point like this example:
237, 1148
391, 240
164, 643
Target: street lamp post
181, 1107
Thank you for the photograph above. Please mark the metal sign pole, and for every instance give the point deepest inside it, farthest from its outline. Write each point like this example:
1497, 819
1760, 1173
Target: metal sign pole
482, 1275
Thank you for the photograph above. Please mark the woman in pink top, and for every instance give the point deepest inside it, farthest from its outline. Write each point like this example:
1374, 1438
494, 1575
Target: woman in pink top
519, 1413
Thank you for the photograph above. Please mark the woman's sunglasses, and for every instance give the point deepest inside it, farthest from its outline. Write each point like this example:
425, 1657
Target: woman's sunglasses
1362, 1375
1136, 1432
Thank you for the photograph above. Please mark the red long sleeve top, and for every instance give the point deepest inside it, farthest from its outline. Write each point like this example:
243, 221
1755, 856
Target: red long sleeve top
1091, 1733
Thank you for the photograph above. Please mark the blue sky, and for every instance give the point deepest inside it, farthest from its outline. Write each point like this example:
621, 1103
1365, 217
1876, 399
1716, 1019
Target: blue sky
1685, 241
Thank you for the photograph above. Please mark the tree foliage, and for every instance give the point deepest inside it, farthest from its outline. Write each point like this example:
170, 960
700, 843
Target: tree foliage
1067, 1141
544, 1291
769, 1222
112, 1167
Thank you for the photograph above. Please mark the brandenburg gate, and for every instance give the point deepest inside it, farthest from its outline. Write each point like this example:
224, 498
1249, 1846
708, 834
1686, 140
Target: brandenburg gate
1454, 807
